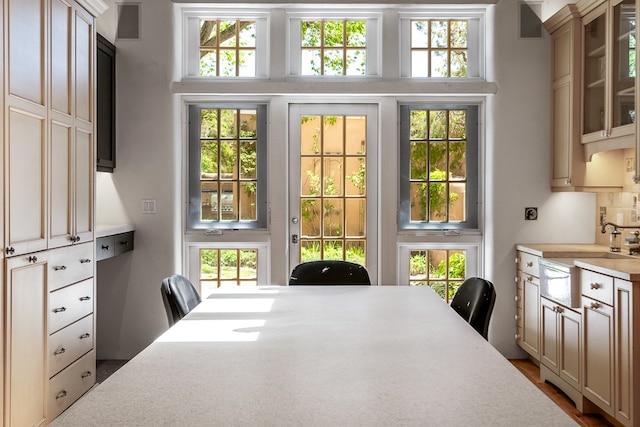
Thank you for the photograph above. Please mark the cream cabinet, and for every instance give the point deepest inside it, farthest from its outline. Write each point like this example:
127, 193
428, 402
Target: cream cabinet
72, 113
561, 348
25, 131
610, 336
609, 71
593, 93
48, 163
598, 324
528, 304
26, 340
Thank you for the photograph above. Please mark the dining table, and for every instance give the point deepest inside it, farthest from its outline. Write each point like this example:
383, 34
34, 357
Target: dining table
318, 356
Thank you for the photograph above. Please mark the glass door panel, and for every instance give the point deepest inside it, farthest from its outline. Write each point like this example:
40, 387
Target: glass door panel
624, 63
595, 68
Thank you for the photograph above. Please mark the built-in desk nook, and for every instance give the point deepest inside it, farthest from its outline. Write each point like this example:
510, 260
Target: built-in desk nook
113, 240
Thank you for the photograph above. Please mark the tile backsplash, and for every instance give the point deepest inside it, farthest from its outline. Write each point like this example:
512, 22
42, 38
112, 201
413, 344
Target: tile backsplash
621, 208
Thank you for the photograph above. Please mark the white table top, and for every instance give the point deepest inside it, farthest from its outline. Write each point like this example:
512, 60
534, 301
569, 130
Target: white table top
318, 356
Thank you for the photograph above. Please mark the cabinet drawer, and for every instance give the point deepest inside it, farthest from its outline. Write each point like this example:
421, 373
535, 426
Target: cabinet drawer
528, 264
68, 304
68, 344
67, 387
123, 243
70, 264
105, 247
597, 286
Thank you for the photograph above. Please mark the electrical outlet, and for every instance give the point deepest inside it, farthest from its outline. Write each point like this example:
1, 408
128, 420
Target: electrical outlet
530, 214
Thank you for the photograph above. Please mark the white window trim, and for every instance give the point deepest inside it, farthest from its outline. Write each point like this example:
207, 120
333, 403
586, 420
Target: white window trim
373, 40
191, 31
476, 42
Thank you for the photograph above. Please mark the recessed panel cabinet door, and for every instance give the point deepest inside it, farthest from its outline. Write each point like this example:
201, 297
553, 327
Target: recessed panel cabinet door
26, 376
25, 185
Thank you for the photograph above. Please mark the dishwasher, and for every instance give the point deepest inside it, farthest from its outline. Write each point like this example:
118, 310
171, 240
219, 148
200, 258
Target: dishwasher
560, 281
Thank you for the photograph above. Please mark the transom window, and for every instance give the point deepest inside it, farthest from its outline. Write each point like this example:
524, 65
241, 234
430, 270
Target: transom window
439, 166
227, 268
333, 47
227, 48
441, 269
227, 158
439, 48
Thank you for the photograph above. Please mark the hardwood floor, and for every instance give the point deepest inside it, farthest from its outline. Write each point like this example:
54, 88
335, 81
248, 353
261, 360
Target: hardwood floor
532, 372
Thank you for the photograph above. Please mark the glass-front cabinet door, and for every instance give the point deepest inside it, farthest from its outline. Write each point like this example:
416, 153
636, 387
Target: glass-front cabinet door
609, 72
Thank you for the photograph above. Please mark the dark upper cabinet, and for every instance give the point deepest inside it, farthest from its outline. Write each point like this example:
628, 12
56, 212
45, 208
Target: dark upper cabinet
106, 105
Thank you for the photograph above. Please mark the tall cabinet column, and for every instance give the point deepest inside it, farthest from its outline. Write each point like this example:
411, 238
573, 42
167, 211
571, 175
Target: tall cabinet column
48, 105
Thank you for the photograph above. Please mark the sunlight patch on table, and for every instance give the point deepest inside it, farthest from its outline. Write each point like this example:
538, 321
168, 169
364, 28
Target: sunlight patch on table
210, 330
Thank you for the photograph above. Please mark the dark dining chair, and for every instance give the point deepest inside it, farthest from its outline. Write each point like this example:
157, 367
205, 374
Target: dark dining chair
329, 272
474, 301
179, 297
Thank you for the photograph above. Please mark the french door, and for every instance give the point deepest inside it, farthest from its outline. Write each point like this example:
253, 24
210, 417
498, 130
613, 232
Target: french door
332, 187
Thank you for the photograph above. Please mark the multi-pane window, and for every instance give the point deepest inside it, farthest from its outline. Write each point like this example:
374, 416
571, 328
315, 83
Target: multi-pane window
333, 48
441, 269
439, 166
227, 267
439, 48
227, 48
227, 158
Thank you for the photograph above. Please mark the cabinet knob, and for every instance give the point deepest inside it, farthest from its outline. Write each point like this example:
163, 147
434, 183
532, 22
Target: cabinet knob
595, 286
59, 351
61, 394
105, 247
516, 317
85, 336
33, 259
85, 298
530, 264
595, 305
59, 267
86, 374
516, 298
529, 278
85, 261
517, 337
60, 309
10, 250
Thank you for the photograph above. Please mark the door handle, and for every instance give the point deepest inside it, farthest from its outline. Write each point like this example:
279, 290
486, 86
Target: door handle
294, 238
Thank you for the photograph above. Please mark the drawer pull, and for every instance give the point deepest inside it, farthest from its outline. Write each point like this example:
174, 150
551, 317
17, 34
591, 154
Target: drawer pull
529, 264
124, 242
87, 298
516, 317
595, 305
75, 239
33, 259
517, 337
105, 247
529, 278
595, 286
515, 298
85, 261
59, 267
59, 309
10, 250
85, 336
61, 394
60, 351
86, 374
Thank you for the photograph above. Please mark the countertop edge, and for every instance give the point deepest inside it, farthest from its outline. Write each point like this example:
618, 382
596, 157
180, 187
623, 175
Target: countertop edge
103, 230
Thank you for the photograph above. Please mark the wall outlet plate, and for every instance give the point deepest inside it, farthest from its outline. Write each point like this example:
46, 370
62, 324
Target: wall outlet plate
530, 214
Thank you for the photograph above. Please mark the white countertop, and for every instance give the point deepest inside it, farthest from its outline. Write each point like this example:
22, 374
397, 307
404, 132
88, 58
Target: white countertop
103, 230
592, 257
318, 356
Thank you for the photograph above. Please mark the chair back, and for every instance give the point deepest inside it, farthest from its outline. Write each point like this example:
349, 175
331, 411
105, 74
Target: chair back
474, 301
179, 296
329, 272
